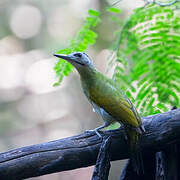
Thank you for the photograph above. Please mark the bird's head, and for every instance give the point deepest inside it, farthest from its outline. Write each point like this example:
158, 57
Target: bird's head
77, 59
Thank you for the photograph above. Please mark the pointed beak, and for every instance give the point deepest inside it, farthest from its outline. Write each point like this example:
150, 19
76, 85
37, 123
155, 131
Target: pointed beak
69, 58
63, 56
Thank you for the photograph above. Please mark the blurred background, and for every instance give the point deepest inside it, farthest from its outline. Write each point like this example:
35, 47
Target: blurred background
31, 109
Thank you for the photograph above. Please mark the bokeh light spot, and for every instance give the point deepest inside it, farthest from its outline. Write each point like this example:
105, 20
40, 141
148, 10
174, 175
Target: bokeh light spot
41, 76
26, 21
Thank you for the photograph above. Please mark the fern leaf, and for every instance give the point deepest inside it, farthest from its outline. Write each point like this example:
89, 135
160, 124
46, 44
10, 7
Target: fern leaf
84, 38
149, 46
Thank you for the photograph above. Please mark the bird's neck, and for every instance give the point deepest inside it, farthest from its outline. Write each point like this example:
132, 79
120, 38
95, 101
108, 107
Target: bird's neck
87, 73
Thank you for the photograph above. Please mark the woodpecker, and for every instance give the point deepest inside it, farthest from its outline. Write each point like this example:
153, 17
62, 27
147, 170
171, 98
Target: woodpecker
109, 102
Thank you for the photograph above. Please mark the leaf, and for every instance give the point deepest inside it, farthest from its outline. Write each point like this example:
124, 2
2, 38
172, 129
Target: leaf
148, 53
162, 106
114, 10
93, 12
56, 84
84, 38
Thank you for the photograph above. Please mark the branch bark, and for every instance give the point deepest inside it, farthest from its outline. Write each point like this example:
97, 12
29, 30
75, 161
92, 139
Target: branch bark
81, 151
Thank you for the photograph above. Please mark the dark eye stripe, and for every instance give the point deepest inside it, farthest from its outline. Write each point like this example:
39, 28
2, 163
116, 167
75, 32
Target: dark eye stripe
78, 55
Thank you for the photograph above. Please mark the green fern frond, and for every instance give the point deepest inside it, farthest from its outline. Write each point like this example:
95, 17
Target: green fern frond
84, 38
148, 54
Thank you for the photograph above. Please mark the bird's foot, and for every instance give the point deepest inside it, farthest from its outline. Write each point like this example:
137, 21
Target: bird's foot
96, 131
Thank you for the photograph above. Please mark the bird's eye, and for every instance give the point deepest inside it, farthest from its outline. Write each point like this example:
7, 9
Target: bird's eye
78, 55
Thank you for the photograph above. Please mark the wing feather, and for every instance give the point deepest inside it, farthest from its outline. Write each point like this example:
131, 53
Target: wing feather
109, 96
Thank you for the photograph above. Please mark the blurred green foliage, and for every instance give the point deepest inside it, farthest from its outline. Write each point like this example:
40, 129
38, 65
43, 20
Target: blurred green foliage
83, 39
147, 55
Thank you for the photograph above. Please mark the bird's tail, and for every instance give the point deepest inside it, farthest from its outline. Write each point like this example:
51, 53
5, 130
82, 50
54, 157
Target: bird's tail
133, 136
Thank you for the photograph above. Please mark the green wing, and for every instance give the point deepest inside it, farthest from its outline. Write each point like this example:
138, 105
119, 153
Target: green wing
106, 94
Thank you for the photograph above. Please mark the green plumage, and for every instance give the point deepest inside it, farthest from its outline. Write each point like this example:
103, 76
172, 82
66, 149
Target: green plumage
106, 93
110, 103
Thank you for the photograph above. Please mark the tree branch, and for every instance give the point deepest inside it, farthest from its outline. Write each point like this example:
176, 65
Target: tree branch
81, 151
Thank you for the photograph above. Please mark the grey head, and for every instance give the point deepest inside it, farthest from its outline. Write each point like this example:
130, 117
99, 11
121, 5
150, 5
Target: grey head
77, 59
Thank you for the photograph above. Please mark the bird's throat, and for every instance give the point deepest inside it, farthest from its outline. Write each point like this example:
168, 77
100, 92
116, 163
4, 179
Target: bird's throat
86, 73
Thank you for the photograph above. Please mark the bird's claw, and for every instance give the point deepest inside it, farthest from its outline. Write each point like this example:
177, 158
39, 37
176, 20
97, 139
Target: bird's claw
96, 131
